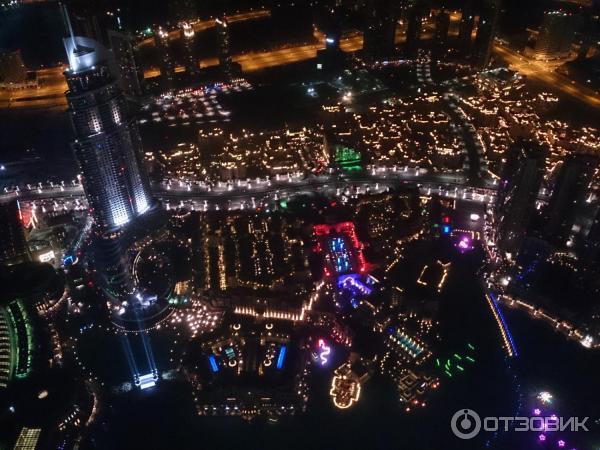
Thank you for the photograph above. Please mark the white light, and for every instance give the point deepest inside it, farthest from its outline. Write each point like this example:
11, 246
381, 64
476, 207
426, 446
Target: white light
46, 257
120, 219
587, 341
147, 381
475, 217
545, 397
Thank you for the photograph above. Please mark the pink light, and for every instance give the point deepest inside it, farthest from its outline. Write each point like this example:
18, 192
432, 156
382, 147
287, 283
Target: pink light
542, 437
537, 411
325, 351
561, 443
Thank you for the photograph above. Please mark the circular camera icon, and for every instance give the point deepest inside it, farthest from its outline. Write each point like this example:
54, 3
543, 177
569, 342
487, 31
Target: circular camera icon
465, 424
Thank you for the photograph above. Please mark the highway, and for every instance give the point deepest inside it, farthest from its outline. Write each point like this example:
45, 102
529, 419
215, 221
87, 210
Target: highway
49, 96
544, 72
202, 25
241, 194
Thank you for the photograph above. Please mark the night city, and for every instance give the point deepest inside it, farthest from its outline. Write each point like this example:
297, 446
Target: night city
300, 224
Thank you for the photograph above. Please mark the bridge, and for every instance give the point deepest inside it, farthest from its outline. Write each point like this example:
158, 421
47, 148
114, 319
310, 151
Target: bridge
239, 194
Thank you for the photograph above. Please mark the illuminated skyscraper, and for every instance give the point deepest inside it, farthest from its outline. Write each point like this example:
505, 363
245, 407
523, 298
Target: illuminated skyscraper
568, 196
167, 67
517, 194
188, 37
107, 142
380, 28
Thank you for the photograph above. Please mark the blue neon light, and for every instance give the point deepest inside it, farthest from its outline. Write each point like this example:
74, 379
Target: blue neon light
504, 325
213, 364
353, 283
340, 255
281, 357
446, 229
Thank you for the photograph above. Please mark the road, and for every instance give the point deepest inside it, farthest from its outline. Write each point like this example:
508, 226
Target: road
544, 73
50, 95
202, 25
241, 193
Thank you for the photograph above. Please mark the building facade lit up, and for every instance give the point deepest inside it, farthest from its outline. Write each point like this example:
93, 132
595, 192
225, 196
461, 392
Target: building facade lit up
107, 142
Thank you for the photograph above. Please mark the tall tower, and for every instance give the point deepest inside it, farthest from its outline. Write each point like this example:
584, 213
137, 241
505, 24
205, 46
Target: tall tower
518, 193
467, 23
122, 44
556, 35
442, 26
13, 246
380, 28
568, 196
414, 27
188, 37
167, 67
107, 142
487, 28
225, 60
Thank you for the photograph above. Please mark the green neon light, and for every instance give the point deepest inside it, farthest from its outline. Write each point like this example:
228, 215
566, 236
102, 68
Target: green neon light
283, 204
23, 372
13, 342
348, 158
460, 368
470, 359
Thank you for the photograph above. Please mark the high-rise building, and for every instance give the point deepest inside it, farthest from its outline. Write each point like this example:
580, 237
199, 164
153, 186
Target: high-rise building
517, 194
556, 35
107, 142
592, 240
467, 24
130, 74
568, 197
167, 66
12, 68
188, 38
380, 28
487, 28
225, 60
442, 26
588, 35
183, 10
13, 246
415, 24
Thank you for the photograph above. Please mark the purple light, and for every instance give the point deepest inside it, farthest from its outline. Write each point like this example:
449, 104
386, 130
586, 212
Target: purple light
561, 443
542, 437
537, 411
325, 350
465, 243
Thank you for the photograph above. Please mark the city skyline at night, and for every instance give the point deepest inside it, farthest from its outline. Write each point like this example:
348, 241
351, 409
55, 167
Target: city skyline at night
336, 224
